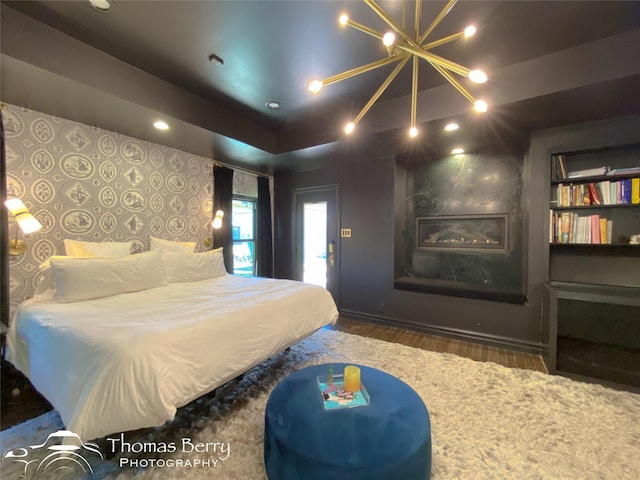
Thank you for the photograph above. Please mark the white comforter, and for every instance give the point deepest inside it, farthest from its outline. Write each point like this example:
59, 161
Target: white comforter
128, 361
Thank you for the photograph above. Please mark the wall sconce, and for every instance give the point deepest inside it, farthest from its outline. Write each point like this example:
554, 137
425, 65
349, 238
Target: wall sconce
217, 220
216, 224
27, 222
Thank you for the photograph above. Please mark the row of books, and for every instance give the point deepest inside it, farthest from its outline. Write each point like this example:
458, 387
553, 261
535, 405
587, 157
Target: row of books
568, 227
559, 170
607, 192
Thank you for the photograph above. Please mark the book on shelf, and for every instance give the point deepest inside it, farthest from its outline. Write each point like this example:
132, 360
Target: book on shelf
563, 166
607, 192
635, 191
624, 171
572, 195
589, 172
604, 188
594, 195
558, 167
571, 228
604, 234
566, 218
595, 229
625, 191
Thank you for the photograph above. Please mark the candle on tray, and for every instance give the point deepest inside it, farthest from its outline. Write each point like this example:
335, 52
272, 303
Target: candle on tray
351, 378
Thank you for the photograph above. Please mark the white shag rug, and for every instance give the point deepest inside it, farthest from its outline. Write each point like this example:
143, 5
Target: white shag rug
487, 421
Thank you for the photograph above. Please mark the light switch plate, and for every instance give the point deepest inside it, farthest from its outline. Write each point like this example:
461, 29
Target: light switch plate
345, 233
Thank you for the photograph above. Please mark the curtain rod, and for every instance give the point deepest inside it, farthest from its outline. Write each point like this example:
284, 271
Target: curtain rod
216, 163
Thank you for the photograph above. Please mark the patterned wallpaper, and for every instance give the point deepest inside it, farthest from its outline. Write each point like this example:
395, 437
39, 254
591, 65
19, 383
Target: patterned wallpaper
85, 183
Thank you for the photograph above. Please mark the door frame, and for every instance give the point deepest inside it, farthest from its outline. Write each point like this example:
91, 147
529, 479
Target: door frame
332, 193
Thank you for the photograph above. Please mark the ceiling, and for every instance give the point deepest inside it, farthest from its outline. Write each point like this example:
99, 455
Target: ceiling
151, 58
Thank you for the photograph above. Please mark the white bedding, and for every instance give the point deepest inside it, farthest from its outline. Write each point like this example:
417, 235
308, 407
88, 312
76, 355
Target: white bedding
128, 361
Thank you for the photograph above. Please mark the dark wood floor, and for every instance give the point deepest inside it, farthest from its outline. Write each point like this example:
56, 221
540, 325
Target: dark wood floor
474, 351
29, 404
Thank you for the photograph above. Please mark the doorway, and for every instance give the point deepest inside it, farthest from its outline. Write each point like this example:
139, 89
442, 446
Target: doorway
316, 237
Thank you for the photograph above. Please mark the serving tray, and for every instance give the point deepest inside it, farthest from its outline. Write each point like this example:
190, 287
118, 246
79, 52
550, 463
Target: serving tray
335, 397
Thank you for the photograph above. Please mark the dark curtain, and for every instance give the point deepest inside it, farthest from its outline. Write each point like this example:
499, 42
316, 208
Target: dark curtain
4, 234
264, 242
222, 200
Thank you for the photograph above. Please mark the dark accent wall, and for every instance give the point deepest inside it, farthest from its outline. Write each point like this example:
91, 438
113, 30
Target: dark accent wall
372, 205
370, 208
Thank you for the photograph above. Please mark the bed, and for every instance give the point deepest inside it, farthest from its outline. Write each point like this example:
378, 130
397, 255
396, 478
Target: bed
123, 360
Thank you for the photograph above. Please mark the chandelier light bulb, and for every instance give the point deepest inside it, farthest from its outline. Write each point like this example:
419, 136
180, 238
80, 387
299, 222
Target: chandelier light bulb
450, 127
477, 76
470, 31
388, 39
481, 106
315, 86
402, 46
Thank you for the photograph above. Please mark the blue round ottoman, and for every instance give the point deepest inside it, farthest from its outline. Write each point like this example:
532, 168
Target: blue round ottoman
389, 438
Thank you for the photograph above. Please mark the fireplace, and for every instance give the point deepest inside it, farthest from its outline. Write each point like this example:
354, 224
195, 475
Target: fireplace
460, 232
464, 233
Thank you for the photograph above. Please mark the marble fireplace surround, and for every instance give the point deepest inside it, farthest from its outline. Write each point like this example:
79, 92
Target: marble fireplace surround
459, 224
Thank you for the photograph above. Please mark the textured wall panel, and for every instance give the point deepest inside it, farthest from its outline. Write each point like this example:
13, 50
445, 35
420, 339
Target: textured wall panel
89, 184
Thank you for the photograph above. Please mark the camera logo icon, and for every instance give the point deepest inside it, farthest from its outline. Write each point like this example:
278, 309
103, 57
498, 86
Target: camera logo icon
63, 453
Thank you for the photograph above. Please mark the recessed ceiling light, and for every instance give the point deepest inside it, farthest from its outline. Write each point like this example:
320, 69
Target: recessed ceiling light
457, 151
450, 127
160, 125
273, 105
103, 5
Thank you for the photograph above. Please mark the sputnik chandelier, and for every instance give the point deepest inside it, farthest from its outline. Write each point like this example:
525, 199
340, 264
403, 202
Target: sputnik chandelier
403, 49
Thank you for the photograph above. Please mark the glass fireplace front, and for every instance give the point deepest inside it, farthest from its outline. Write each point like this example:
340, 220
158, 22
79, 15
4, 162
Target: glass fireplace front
464, 233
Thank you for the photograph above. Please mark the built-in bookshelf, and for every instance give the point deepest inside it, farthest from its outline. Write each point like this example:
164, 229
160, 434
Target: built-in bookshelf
595, 198
596, 331
592, 298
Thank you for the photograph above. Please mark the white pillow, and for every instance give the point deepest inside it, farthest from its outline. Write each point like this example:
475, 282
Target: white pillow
45, 289
171, 246
77, 248
47, 263
192, 267
77, 279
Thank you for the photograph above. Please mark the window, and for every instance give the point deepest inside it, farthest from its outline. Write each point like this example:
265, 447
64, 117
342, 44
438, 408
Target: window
243, 222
